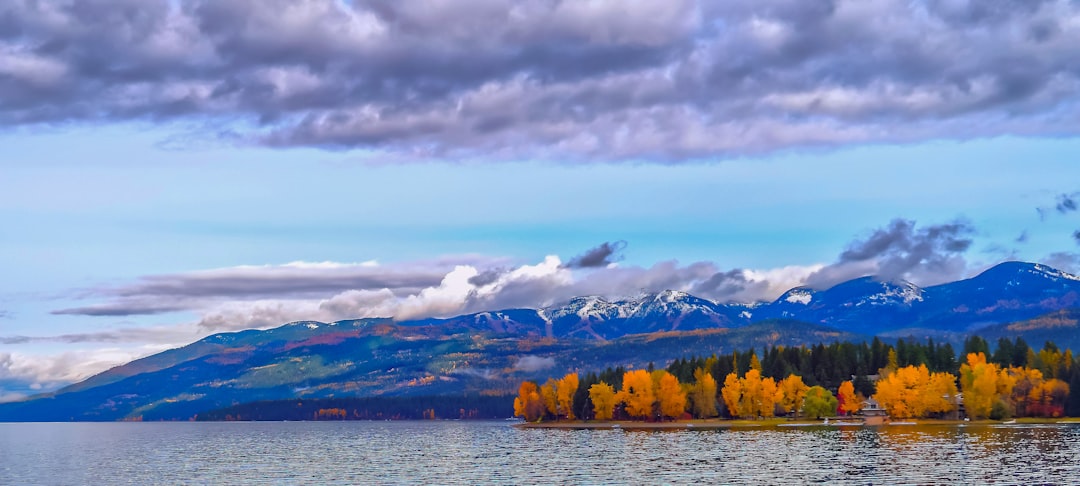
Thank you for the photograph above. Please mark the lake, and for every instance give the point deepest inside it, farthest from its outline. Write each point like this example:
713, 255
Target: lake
448, 452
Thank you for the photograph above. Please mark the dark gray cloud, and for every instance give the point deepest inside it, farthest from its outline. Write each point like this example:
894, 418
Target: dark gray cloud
6, 314
120, 309
601, 256
487, 277
158, 294
901, 250
1064, 204
657, 80
730, 286
1076, 236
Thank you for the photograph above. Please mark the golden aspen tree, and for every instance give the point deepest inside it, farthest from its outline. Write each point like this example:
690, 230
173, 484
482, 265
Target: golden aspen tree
752, 394
770, 396
940, 394
671, 396
550, 397
913, 392
603, 400
794, 393
979, 380
637, 393
731, 393
565, 388
703, 394
849, 402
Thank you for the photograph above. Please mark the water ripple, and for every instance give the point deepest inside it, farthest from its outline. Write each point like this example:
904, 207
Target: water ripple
495, 453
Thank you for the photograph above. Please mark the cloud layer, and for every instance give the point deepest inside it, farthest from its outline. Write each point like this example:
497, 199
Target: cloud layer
266, 296
657, 80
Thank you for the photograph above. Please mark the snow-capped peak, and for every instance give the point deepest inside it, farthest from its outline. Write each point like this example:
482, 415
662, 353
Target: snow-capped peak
799, 296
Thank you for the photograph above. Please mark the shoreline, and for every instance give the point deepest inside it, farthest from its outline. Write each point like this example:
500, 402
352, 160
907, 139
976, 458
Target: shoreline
721, 424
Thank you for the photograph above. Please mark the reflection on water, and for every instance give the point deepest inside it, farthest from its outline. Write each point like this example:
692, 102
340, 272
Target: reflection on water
494, 452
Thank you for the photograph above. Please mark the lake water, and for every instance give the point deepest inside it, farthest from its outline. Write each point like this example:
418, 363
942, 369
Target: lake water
493, 452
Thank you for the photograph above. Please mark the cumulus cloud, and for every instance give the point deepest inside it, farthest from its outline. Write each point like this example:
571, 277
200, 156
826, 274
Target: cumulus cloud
664, 80
901, 250
600, 256
549, 282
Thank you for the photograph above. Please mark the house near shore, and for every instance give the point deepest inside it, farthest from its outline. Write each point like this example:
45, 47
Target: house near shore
873, 413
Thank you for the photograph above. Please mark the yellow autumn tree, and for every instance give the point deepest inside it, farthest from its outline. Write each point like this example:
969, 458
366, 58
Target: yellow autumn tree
550, 397
565, 388
671, 396
793, 392
770, 396
914, 392
603, 400
731, 393
637, 393
849, 402
703, 394
752, 393
979, 381
528, 403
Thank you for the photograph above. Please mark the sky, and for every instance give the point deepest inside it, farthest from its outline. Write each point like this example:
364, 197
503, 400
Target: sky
170, 169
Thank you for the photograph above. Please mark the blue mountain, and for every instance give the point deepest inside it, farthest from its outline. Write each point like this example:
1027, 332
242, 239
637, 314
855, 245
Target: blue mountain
491, 352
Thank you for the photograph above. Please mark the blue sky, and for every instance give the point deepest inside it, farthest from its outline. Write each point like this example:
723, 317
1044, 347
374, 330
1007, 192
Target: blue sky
177, 178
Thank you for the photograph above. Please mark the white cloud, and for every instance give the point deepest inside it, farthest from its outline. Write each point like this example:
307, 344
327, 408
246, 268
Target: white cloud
41, 371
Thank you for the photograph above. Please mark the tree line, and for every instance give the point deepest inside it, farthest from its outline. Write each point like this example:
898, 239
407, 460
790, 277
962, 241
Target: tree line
366, 408
909, 379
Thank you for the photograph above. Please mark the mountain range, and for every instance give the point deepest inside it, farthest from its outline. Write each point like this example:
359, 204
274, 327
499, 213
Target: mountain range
490, 352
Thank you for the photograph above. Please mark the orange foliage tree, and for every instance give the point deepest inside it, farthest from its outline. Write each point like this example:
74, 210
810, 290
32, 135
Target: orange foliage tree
751, 395
528, 403
637, 393
914, 392
731, 393
845, 396
671, 396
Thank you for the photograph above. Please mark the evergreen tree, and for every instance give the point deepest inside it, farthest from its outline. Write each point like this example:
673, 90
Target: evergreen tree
1072, 405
